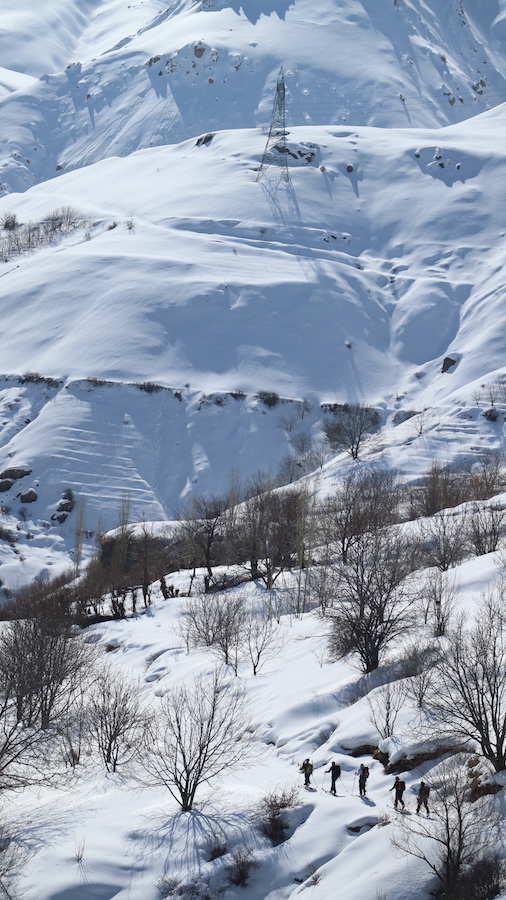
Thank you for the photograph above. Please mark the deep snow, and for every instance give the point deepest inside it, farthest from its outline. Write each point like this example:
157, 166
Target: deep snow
150, 331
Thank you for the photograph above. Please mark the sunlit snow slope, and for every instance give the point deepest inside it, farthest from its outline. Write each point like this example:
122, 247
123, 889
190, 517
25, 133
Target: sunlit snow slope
193, 286
116, 77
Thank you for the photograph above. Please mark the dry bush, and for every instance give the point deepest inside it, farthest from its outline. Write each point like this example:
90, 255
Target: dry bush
271, 813
215, 846
241, 867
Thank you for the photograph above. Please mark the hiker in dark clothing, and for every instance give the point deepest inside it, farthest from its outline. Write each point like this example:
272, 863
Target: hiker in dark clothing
363, 775
335, 773
399, 787
307, 769
423, 797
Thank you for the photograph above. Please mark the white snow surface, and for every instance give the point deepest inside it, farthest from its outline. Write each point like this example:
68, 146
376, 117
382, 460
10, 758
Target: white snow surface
382, 255
134, 350
301, 705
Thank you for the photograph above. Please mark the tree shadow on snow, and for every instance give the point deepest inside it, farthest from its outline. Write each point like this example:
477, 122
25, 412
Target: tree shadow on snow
96, 891
184, 834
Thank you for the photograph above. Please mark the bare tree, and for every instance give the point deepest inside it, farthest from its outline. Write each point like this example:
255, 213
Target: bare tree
468, 700
485, 527
438, 600
460, 832
261, 638
13, 858
349, 427
79, 533
116, 718
385, 704
487, 477
270, 529
375, 601
440, 488
25, 751
198, 731
417, 670
364, 501
42, 660
216, 621
74, 729
203, 523
445, 540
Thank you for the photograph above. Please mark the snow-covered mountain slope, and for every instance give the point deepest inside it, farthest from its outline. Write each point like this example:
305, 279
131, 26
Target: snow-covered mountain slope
93, 834
114, 78
192, 286
194, 276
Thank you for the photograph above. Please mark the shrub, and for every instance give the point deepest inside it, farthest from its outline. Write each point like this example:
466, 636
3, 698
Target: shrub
242, 865
31, 378
149, 387
271, 815
167, 887
215, 847
19, 238
268, 398
483, 880
6, 535
9, 221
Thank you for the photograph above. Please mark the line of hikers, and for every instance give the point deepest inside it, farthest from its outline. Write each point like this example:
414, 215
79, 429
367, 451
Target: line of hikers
399, 786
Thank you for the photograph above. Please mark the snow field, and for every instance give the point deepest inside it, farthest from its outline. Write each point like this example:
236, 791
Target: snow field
302, 704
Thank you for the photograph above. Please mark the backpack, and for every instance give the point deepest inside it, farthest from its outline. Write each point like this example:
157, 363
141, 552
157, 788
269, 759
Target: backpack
365, 772
337, 771
401, 786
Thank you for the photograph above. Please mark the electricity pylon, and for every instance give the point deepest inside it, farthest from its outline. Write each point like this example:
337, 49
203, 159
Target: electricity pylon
275, 153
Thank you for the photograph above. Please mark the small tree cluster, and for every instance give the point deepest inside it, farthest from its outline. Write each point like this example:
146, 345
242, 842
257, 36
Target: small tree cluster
18, 238
231, 628
444, 486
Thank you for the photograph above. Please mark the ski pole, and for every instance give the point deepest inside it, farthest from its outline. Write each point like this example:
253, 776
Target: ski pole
343, 784
354, 780
323, 781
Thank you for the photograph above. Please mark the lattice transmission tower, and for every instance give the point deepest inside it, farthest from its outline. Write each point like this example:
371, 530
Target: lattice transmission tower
275, 153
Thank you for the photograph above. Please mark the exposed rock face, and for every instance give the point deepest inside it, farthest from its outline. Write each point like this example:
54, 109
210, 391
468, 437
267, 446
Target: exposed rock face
14, 474
5, 484
448, 362
59, 517
29, 497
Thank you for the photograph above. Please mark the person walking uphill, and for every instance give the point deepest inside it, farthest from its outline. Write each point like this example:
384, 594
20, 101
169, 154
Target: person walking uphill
363, 775
399, 787
307, 769
423, 797
335, 773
